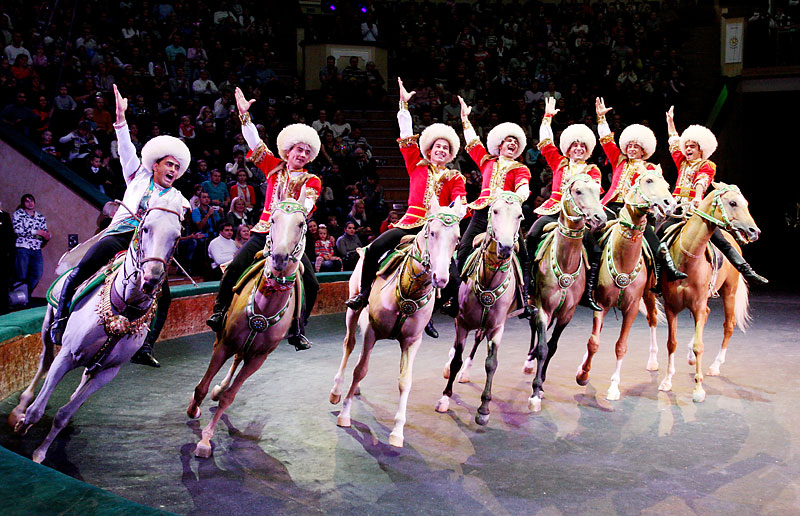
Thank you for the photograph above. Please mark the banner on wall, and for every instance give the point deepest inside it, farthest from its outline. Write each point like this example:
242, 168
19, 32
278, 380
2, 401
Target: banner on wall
733, 42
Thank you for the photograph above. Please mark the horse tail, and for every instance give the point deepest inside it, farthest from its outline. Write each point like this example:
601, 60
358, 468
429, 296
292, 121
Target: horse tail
741, 307
660, 317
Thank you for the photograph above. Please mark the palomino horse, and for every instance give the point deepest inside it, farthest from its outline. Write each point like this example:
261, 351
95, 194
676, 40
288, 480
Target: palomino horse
724, 207
400, 305
259, 316
620, 283
487, 297
561, 275
107, 325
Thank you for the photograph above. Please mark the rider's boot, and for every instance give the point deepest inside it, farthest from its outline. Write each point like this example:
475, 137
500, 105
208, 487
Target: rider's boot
358, 301
430, 330
528, 310
297, 336
736, 259
664, 256
144, 355
56, 329
591, 283
221, 304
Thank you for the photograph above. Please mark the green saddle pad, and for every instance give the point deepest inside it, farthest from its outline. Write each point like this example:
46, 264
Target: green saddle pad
87, 286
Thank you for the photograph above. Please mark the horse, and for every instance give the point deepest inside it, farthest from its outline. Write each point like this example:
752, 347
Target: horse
259, 316
725, 207
620, 283
400, 305
487, 297
108, 324
561, 275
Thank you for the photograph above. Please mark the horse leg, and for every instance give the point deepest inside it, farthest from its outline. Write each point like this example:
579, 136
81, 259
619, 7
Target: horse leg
672, 345
88, 386
219, 356
351, 322
359, 372
582, 377
409, 351
620, 350
539, 352
446, 368
227, 396
61, 365
463, 373
26, 397
652, 322
456, 360
493, 342
225, 383
701, 316
729, 305
535, 323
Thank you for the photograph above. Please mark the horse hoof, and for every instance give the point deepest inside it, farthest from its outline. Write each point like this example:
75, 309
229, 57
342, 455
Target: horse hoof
665, 386
396, 440
446, 372
463, 377
481, 419
582, 379
193, 412
612, 394
203, 450
535, 404
38, 456
343, 421
14, 417
713, 370
528, 368
357, 392
215, 392
652, 366
699, 396
21, 428
335, 398
443, 405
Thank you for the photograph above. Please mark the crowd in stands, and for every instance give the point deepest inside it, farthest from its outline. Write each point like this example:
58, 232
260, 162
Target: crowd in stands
178, 64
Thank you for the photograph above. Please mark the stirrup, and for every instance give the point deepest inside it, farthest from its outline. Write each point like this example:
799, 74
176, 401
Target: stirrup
450, 308
431, 330
215, 321
300, 342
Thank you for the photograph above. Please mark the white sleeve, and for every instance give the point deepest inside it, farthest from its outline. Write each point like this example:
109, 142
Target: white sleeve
309, 204
545, 132
404, 122
251, 136
523, 191
470, 134
603, 129
127, 152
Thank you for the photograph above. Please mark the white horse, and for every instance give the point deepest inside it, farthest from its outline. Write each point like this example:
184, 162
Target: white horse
400, 305
107, 326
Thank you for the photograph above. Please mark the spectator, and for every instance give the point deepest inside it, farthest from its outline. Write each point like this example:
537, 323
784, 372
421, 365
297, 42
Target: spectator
221, 251
311, 239
81, 142
321, 123
242, 235
97, 173
347, 245
324, 249
20, 116
340, 127
241, 189
204, 88
390, 219
15, 48
369, 29
354, 81
30, 227
216, 189
329, 75
239, 213
186, 130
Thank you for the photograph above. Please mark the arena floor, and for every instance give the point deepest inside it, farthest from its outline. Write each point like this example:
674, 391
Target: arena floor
278, 449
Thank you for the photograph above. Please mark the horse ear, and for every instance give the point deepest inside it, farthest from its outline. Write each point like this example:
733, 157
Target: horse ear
659, 171
434, 209
718, 184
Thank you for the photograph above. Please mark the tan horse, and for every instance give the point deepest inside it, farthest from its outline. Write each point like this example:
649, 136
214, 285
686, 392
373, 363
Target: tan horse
621, 282
487, 297
259, 316
724, 207
561, 275
400, 305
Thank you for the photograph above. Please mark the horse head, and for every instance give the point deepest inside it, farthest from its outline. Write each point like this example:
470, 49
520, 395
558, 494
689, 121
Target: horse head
440, 235
154, 241
582, 201
287, 232
650, 193
505, 216
728, 209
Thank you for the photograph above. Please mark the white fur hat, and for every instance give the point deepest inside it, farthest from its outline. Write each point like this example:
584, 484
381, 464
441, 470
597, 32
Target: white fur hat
434, 132
500, 132
293, 134
577, 133
702, 136
162, 146
640, 134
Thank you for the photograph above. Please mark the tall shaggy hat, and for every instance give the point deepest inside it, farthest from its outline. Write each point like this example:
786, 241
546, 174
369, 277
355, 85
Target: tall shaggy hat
702, 136
293, 134
637, 133
435, 131
577, 133
162, 146
500, 132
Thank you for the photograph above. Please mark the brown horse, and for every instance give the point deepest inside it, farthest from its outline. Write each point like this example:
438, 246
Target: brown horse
561, 275
486, 298
724, 207
400, 305
259, 316
620, 282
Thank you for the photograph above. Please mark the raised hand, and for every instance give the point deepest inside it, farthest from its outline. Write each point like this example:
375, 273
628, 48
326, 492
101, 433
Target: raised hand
671, 120
600, 106
242, 103
465, 109
404, 95
550, 106
121, 103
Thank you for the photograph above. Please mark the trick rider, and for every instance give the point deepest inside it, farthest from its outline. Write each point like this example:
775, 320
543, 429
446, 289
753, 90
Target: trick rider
426, 158
500, 172
298, 145
164, 160
691, 152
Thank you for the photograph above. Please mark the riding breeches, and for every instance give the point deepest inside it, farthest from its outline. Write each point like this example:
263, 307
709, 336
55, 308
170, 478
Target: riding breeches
387, 241
96, 257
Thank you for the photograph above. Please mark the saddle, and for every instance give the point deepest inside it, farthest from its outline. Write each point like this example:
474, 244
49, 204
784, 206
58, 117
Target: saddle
252, 277
87, 286
391, 260
712, 254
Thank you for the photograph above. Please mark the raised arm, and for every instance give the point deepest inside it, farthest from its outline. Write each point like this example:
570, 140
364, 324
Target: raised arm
249, 130
602, 125
469, 132
403, 116
127, 152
